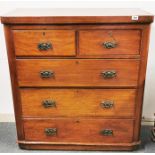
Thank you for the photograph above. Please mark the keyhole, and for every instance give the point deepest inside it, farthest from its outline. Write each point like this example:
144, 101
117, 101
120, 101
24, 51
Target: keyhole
44, 33
77, 121
110, 33
77, 62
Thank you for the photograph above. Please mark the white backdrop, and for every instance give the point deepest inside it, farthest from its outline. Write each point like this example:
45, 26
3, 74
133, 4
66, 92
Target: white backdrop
6, 105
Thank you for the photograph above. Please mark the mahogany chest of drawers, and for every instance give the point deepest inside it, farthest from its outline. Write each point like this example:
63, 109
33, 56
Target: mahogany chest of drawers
78, 76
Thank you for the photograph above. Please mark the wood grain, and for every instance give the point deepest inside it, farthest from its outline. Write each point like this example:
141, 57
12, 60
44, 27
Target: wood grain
128, 42
141, 81
83, 130
78, 102
34, 145
77, 59
81, 27
62, 41
76, 16
82, 72
14, 82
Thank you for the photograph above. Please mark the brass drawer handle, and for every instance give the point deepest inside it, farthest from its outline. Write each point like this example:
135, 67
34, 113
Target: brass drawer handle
46, 74
49, 103
106, 132
109, 45
51, 131
108, 74
44, 46
107, 104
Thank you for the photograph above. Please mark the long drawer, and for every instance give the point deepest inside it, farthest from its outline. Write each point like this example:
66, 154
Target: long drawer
79, 130
78, 102
82, 72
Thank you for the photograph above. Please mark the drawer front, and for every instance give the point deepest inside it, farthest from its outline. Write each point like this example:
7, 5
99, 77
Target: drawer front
78, 102
77, 72
78, 130
44, 42
109, 42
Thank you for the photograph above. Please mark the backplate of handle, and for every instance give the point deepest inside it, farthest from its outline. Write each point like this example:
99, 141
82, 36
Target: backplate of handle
49, 103
46, 74
44, 46
108, 74
107, 104
50, 131
106, 132
109, 45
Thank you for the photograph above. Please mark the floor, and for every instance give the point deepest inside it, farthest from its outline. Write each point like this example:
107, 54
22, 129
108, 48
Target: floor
8, 139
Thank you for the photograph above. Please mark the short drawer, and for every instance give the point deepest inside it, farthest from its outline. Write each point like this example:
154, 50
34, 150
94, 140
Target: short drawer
79, 130
109, 42
78, 102
44, 42
73, 72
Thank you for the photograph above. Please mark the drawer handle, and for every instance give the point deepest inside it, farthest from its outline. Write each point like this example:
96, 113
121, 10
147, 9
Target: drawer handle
108, 74
109, 45
49, 103
44, 46
46, 74
107, 104
51, 131
106, 132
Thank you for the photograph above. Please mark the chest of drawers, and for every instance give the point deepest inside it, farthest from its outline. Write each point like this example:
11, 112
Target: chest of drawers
78, 76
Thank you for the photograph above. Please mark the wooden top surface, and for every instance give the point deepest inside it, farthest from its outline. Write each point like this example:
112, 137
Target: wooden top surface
69, 16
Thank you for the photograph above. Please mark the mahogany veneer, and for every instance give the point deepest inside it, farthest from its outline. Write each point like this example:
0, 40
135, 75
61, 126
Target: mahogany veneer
78, 76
